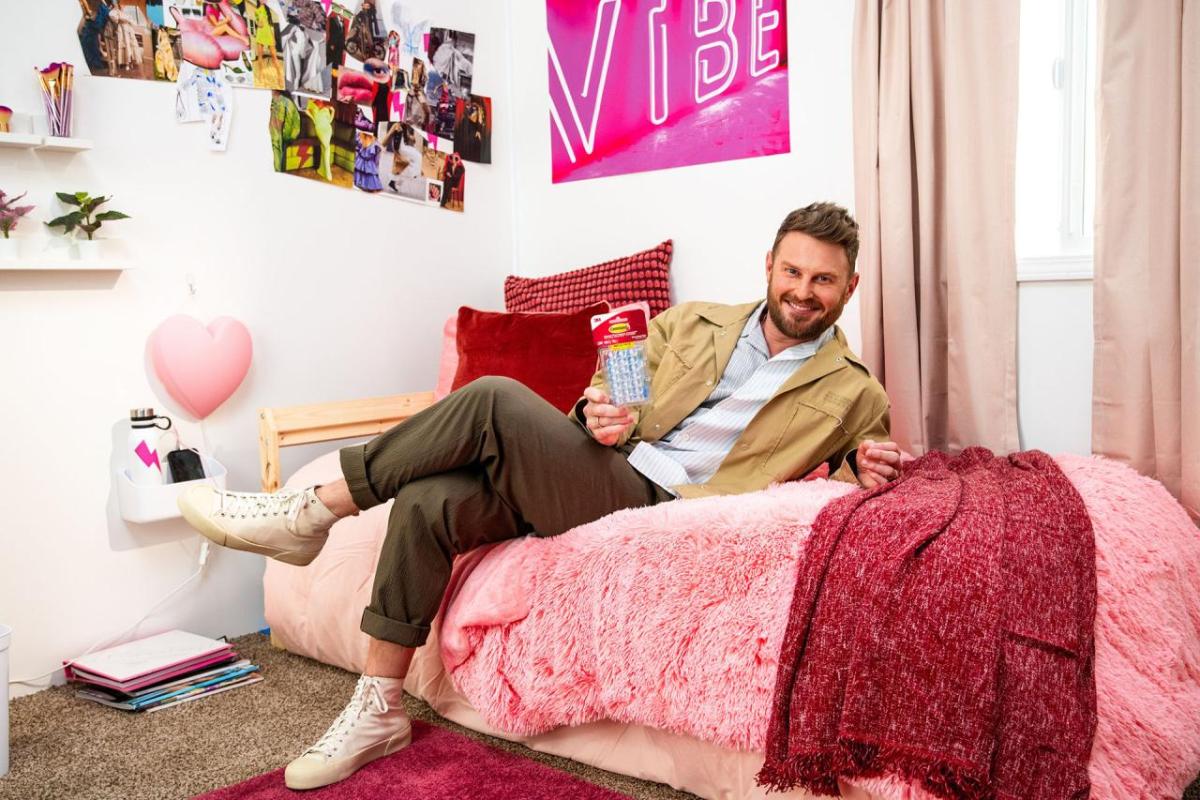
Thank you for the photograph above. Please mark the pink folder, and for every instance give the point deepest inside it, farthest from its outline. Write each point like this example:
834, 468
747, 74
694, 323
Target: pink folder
144, 662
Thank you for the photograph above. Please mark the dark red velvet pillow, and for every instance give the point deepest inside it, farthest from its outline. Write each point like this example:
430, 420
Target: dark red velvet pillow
643, 276
552, 354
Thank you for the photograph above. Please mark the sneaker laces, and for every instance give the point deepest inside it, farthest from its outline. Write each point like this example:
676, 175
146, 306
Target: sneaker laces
368, 696
249, 504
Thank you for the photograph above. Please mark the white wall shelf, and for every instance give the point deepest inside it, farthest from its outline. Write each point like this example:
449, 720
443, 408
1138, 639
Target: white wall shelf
65, 144
34, 141
58, 265
26, 141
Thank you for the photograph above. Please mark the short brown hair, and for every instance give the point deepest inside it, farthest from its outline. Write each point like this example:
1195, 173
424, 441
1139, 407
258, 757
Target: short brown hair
827, 222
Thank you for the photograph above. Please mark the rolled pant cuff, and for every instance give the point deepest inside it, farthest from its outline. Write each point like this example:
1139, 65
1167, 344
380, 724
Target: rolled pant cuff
354, 470
390, 630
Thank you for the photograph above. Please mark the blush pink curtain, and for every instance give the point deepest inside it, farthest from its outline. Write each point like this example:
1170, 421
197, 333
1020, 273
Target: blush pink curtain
935, 128
1146, 392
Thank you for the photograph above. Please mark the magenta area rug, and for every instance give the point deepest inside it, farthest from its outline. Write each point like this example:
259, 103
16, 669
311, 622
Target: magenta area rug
438, 765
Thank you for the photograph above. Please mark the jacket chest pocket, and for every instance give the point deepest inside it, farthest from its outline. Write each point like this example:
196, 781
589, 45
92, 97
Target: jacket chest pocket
814, 432
671, 367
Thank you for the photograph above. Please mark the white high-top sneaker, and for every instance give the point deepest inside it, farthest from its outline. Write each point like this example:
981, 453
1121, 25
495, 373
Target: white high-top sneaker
373, 725
289, 525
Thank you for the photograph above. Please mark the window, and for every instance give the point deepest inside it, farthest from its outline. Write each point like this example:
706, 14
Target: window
1056, 146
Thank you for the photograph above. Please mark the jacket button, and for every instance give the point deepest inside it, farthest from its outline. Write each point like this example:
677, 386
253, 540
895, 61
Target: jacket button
656, 427
708, 383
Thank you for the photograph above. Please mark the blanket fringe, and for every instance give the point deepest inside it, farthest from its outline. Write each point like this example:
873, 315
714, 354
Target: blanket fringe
818, 772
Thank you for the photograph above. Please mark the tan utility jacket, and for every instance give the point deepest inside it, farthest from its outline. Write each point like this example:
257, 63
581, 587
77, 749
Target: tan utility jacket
820, 414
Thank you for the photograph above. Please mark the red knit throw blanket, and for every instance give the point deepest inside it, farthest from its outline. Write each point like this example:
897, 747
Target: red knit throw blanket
941, 630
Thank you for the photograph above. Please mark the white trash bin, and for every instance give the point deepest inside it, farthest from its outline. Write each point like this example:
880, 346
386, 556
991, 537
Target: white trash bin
5, 635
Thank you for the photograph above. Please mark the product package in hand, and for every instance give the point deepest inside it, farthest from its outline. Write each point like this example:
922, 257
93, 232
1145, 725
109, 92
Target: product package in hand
620, 337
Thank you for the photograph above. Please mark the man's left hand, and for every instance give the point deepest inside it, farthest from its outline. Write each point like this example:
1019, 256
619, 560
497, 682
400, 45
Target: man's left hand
878, 463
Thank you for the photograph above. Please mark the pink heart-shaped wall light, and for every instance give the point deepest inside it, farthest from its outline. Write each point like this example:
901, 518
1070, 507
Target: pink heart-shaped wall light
200, 367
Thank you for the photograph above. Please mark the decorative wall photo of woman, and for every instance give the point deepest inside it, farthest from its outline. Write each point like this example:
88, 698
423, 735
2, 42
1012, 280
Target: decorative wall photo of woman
365, 38
268, 67
454, 182
420, 76
473, 129
417, 112
399, 140
366, 159
168, 52
117, 38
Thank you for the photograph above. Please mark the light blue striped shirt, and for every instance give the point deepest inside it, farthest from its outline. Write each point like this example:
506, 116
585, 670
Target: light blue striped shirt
693, 451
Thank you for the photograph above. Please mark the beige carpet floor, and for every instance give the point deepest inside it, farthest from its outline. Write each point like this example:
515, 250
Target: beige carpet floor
63, 748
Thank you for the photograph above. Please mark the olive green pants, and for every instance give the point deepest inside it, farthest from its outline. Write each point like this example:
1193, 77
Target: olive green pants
490, 462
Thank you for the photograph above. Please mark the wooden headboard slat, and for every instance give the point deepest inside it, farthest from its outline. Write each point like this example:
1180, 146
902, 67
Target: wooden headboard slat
325, 422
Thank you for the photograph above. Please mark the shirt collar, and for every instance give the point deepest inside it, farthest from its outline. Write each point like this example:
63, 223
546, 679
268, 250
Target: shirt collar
752, 334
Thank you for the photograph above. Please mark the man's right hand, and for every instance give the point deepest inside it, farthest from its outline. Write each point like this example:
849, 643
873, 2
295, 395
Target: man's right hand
604, 421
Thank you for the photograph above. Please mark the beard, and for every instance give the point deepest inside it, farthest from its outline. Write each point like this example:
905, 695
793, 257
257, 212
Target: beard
801, 330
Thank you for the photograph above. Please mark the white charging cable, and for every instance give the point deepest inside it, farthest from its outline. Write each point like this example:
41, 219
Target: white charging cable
113, 639
200, 563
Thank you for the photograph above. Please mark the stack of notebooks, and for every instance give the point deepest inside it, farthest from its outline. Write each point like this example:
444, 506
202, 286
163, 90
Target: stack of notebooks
160, 671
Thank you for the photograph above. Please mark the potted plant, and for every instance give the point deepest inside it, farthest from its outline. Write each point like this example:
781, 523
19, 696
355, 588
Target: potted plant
10, 215
86, 219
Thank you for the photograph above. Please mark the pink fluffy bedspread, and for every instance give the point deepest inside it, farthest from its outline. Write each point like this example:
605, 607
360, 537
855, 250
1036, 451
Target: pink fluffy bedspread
673, 616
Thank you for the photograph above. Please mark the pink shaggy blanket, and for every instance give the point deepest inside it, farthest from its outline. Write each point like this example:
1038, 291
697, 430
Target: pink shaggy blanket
673, 617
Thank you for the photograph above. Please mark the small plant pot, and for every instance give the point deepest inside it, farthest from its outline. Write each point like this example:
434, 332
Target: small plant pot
89, 249
10, 249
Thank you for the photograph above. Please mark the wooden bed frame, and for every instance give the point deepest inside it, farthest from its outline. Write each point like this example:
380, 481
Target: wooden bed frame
326, 422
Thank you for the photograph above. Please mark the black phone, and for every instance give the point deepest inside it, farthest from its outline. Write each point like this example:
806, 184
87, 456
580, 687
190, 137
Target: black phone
185, 465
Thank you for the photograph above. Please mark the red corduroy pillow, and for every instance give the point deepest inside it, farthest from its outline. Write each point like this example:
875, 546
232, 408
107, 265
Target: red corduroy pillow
641, 276
552, 354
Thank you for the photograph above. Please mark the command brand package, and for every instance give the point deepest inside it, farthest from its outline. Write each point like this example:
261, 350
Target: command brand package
620, 337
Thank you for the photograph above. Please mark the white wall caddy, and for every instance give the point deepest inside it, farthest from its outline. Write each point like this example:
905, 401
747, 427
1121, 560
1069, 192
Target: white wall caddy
140, 503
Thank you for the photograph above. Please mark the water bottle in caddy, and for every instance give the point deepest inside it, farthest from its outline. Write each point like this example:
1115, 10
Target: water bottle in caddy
147, 458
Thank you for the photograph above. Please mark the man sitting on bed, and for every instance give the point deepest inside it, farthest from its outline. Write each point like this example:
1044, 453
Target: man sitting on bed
742, 396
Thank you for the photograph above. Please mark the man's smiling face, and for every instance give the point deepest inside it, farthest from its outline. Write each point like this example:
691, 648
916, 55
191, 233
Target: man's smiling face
808, 284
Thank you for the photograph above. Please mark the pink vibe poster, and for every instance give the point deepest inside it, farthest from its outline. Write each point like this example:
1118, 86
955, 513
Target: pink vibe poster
639, 85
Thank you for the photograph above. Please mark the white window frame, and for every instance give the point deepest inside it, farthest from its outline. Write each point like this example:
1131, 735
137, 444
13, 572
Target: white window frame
1078, 50
1073, 73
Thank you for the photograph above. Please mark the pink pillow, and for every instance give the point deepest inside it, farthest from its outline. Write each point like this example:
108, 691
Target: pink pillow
643, 276
449, 363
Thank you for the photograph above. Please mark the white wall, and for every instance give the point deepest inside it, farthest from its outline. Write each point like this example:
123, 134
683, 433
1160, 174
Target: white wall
344, 295
722, 216
1054, 365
